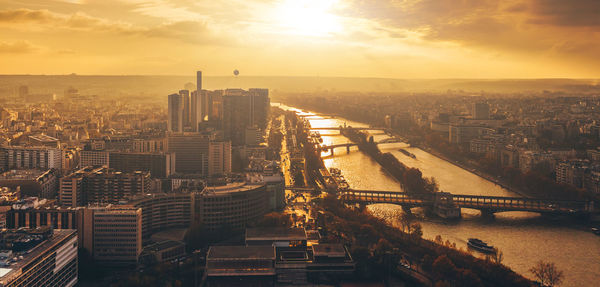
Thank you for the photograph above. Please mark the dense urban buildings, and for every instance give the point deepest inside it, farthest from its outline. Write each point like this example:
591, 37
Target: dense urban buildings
101, 185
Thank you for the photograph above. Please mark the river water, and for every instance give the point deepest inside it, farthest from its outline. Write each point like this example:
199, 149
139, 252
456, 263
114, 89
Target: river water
524, 238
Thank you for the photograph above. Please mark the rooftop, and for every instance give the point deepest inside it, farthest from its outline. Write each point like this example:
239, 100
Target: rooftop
43, 138
232, 187
240, 252
275, 233
22, 174
329, 250
9, 272
163, 245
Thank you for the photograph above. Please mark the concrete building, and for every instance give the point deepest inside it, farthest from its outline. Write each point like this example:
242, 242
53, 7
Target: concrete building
232, 265
164, 211
94, 158
18, 157
113, 234
175, 113
32, 182
160, 165
191, 152
233, 205
164, 251
49, 257
44, 140
480, 111
101, 185
278, 257
243, 109
185, 96
463, 133
219, 158
149, 145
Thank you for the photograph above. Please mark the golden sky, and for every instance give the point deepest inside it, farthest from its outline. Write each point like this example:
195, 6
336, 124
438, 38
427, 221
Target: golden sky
350, 38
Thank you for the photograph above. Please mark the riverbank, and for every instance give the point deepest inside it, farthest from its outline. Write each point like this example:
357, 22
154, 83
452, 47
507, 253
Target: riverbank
474, 170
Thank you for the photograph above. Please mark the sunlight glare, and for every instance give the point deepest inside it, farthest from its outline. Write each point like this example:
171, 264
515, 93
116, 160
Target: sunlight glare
308, 18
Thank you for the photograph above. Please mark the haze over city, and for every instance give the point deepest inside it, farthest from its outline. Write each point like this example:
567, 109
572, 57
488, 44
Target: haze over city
382, 39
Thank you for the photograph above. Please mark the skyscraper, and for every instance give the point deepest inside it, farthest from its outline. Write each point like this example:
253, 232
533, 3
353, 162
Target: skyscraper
195, 111
237, 115
199, 81
175, 121
185, 96
260, 107
242, 109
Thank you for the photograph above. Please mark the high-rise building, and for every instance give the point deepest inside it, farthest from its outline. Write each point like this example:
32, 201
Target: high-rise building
195, 111
236, 115
191, 152
185, 96
45, 257
480, 111
198, 80
242, 109
260, 107
113, 234
175, 120
219, 158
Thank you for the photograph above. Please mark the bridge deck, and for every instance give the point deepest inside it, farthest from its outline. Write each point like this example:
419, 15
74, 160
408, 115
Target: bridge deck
492, 203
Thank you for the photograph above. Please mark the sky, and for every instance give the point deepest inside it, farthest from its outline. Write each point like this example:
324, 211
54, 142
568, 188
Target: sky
338, 38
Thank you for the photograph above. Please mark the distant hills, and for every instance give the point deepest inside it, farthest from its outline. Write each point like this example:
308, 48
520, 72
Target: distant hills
152, 86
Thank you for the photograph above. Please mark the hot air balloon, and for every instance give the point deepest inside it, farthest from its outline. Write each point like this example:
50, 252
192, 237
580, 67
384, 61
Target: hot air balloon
236, 72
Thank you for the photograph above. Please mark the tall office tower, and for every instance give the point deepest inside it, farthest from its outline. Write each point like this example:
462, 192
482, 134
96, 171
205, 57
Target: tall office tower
480, 111
195, 110
175, 120
216, 97
199, 81
260, 107
113, 234
237, 115
191, 152
185, 96
219, 158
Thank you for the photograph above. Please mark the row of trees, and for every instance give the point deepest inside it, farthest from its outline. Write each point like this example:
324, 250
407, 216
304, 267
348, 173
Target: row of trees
411, 179
371, 238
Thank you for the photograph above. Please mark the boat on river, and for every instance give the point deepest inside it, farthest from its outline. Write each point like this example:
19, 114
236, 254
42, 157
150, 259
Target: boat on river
407, 153
481, 246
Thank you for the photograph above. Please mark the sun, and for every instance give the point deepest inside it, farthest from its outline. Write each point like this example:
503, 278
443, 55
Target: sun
308, 18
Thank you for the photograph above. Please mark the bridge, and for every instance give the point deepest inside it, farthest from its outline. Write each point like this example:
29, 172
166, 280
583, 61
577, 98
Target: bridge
340, 128
330, 148
487, 204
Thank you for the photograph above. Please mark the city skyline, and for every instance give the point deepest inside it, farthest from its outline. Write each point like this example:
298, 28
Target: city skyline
388, 39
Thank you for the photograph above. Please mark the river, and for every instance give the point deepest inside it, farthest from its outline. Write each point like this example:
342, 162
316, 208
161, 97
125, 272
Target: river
524, 238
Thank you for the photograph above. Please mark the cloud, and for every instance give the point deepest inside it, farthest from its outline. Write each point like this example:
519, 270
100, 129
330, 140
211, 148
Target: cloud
18, 47
196, 32
571, 13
